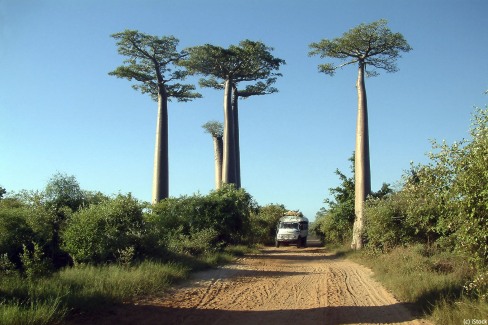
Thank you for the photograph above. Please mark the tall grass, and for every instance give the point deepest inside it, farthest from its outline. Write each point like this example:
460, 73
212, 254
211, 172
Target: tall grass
88, 288
82, 288
34, 312
431, 280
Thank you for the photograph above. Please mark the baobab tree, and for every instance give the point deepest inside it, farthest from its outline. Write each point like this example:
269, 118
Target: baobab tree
258, 89
151, 61
225, 69
216, 130
371, 46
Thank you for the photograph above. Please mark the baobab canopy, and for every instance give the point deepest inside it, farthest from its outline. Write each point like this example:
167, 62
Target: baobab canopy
373, 45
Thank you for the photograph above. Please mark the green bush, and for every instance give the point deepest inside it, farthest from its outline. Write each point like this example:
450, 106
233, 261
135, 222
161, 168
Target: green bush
443, 203
194, 224
197, 243
334, 223
14, 231
333, 228
229, 212
472, 192
263, 223
384, 223
6, 266
99, 233
33, 263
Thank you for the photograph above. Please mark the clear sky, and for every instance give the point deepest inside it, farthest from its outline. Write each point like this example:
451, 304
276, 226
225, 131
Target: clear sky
61, 111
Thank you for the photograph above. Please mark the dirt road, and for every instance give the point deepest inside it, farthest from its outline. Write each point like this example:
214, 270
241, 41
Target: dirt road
281, 286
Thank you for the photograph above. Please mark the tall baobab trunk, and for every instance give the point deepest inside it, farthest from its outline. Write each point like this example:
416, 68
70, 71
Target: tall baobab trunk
228, 166
361, 163
218, 144
161, 169
235, 110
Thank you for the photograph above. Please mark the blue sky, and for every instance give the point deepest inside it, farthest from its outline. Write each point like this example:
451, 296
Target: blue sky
61, 111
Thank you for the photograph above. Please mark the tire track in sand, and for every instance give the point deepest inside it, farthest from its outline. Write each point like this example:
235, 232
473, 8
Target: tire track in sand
280, 286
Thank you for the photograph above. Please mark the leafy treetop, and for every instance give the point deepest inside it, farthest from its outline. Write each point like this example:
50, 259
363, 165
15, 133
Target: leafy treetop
372, 45
152, 61
214, 128
248, 61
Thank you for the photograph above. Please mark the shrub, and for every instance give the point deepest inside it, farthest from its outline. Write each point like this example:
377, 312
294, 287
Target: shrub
194, 223
471, 188
334, 223
14, 231
33, 263
229, 213
6, 266
333, 228
443, 203
96, 234
197, 243
385, 223
263, 223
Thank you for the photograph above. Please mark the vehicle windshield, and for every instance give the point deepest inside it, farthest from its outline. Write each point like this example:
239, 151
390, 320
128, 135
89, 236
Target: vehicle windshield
288, 225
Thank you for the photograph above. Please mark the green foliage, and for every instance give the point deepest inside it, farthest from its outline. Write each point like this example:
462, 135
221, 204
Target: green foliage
419, 274
263, 223
33, 263
478, 286
194, 224
385, 222
447, 311
63, 191
151, 61
373, 45
14, 230
98, 233
197, 243
443, 203
334, 223
35, 312
114, 233
6, 266
85, 288
247, 61
470, 197
214, 128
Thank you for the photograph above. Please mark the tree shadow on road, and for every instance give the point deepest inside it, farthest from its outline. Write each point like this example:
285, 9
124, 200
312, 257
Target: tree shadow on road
152, 315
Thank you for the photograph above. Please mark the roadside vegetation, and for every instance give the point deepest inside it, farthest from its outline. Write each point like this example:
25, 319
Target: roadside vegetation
65, 251
427, 241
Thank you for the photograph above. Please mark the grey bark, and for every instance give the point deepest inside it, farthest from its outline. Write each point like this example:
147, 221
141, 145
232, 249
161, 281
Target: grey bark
160, 189
235, 110
361, 162
228, 164
218, 144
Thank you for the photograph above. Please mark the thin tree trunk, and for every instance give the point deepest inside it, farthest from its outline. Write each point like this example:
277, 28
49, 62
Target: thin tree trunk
235, 101
228, 166
218, 144
160, 188
361, 163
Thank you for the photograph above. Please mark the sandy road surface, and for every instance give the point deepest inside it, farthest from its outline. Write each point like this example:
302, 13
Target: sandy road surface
281, 286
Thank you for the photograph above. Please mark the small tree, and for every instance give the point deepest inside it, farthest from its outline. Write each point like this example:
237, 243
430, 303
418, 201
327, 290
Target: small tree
216, 130
99, 233
62, 197
371, 46
151, 61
